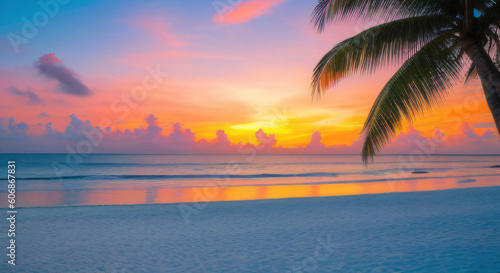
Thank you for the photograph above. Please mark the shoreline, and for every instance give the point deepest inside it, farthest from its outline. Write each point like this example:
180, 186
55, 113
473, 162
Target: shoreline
213, 191
254, 200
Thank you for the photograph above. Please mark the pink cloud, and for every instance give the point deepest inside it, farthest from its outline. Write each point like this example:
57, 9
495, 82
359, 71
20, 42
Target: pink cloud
153, 139
245, 11
316, 141
178, 54
161, 30
141, 59
222, 138
266, 141
49, 58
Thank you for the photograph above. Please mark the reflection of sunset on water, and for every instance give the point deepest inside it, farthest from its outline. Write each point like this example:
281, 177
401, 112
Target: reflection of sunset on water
111, 197
237, 193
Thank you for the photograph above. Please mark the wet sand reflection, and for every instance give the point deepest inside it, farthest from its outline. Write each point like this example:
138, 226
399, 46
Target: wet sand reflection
212, 192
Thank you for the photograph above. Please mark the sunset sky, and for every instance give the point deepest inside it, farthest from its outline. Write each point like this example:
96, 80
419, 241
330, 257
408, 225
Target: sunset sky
237, 68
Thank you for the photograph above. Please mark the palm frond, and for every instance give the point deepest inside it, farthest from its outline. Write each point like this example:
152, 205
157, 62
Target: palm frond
389, 43
490, 12
420, 83
329, 10
470, 75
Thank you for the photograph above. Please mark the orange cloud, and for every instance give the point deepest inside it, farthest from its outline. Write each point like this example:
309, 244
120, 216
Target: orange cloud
245, 11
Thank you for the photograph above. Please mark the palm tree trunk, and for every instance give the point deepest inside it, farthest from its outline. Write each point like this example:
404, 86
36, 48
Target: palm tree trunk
488, 73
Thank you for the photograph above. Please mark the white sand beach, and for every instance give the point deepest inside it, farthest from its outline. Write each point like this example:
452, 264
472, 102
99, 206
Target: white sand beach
435, 231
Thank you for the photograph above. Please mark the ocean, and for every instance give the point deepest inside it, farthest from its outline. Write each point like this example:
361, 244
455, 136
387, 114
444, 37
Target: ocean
104, 179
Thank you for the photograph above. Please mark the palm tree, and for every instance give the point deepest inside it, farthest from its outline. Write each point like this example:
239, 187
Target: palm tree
433, 41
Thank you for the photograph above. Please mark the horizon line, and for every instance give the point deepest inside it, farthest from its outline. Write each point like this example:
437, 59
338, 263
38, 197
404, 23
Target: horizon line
242, 154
